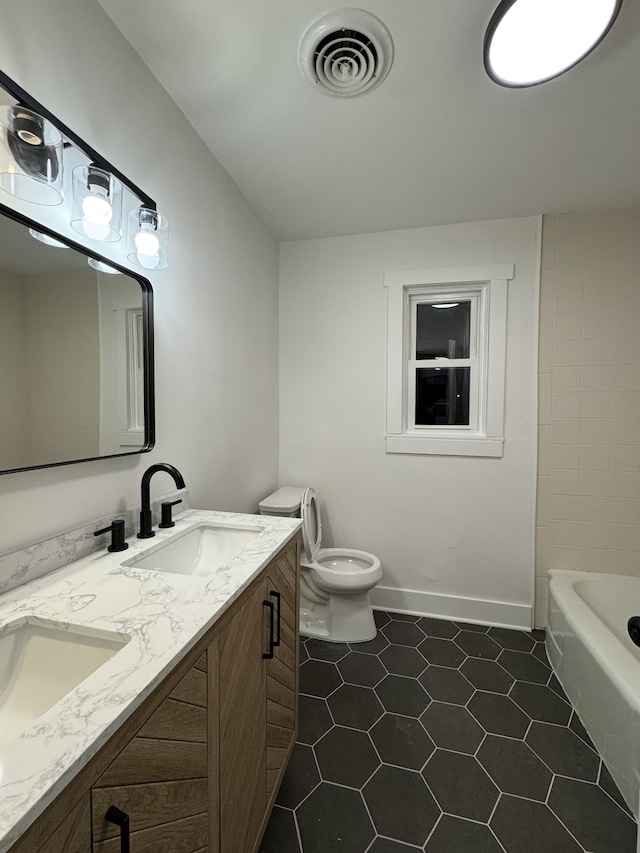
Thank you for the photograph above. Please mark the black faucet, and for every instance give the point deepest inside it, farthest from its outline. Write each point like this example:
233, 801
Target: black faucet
146, 527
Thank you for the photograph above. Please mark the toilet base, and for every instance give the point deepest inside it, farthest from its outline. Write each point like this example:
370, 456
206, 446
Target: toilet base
342, 619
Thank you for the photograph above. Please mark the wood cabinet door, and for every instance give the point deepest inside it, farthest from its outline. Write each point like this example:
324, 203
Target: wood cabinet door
242, 725
160, 779
73, 834
282, 669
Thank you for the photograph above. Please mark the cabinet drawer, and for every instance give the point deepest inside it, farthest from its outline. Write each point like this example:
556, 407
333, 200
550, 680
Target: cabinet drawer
149, 806
181, 836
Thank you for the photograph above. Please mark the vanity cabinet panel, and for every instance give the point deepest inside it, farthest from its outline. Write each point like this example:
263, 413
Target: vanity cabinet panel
159, 812
192, 689
242, 725
282, 670
177, 720
257, 720
160, 778
73, 835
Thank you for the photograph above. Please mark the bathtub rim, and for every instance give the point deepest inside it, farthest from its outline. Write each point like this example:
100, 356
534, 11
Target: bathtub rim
602, 644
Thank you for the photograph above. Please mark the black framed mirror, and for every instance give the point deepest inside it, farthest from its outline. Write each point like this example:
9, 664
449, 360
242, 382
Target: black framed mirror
76, 352
76, 327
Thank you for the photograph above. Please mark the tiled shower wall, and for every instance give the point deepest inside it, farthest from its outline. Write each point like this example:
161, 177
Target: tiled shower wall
588, 514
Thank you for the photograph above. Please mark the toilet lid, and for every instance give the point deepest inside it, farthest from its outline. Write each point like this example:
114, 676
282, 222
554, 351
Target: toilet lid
311, 524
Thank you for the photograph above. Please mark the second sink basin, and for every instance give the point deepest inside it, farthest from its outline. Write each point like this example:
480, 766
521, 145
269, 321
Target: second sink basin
40, 662
197, 552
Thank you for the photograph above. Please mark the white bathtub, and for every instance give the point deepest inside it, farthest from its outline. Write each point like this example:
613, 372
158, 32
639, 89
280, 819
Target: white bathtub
598, 665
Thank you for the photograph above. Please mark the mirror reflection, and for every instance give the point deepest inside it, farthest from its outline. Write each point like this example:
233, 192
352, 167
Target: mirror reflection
74, 349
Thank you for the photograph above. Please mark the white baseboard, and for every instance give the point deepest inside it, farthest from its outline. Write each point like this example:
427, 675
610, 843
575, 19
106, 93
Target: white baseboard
502, 614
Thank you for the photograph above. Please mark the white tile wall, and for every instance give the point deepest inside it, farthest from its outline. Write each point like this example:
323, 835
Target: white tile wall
588, 509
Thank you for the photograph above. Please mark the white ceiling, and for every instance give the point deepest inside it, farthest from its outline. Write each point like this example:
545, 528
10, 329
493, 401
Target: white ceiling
437, 142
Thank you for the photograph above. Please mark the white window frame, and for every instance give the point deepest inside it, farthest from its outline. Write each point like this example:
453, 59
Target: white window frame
129, 332
487, 286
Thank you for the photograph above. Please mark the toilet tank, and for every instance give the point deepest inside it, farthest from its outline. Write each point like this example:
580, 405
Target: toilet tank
284, 502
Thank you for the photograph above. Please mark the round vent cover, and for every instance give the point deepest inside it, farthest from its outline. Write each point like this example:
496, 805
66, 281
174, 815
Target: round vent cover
346, 53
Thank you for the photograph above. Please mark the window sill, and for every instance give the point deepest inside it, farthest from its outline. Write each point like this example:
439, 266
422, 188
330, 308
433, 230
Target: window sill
429, 446
131, 438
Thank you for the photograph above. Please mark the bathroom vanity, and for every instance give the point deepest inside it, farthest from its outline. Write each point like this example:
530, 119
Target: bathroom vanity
180, 739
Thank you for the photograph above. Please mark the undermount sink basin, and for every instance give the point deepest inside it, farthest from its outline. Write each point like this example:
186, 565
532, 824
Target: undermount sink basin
197, 552
40, 662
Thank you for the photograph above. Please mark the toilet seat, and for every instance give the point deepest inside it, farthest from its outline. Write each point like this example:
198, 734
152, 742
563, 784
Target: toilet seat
334, 569
311, 524
344, 570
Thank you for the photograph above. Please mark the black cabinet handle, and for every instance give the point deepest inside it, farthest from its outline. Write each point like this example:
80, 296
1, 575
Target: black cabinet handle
278, 598
121, 819
272, 641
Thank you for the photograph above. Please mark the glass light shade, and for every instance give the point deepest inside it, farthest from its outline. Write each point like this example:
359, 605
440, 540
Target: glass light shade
44, 238
148, 238
532, 41
97, 204
30, 156
102, 267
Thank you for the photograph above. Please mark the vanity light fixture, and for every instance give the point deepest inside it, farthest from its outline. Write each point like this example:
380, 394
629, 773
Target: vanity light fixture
32, 142
44, 238
30, 156
102, 267
97, 203
531, 41
148, 237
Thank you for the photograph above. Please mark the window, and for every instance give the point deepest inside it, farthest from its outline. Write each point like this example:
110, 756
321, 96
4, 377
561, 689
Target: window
446, 360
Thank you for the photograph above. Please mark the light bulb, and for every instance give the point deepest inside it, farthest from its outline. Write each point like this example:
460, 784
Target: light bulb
148, 262
146, 242
147, 238
96, 207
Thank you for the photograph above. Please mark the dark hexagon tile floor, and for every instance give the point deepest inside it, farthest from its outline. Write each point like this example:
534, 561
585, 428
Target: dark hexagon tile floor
442, 737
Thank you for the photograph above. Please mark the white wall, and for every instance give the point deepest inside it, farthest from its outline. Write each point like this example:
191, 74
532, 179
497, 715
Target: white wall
13, 376
455, 535
63, 366
216, 314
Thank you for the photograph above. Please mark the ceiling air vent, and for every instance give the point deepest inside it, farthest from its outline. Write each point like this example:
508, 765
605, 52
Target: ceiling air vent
346, 53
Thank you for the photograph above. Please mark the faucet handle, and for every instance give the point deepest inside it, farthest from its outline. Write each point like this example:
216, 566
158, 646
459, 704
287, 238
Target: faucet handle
165, 509
117, 535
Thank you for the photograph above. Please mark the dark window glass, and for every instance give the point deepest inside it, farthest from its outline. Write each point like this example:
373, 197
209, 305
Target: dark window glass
443, 332
442, 396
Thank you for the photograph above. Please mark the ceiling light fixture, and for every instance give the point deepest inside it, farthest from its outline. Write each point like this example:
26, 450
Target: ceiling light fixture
97, 203
30, 156
531, 41
446, 305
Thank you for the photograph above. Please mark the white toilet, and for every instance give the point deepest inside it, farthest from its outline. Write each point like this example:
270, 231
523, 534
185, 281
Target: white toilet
334, 582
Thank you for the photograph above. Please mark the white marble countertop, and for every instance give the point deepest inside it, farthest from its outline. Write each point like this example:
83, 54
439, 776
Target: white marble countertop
164, 614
